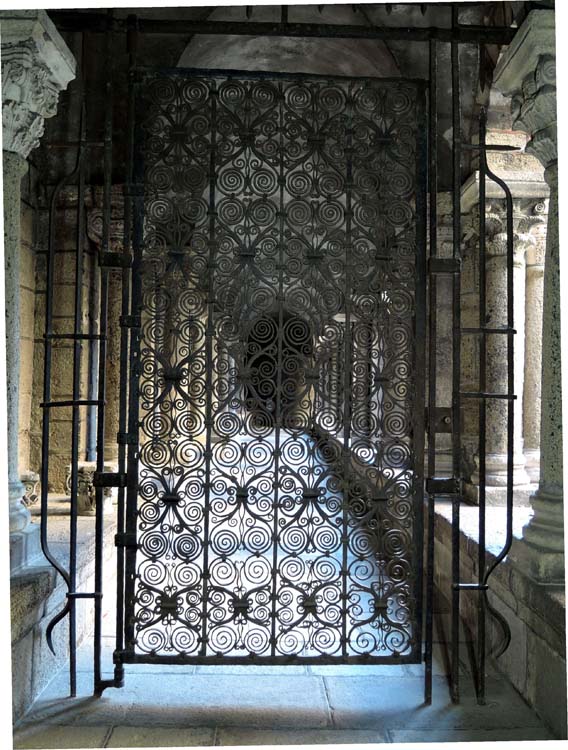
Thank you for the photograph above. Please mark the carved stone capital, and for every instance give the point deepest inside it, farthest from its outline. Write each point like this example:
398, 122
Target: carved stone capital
527, 73
36, 66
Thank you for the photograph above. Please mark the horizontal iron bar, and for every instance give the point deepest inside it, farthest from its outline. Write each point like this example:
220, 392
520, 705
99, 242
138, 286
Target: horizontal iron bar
96, 22
489, 147
115, 260
129, 657
74, 337
444, 265
84, 595
470, 586
510, 331
109, 479
475, 394
443, 486
126, 438
78, 402
125, 539
130, 321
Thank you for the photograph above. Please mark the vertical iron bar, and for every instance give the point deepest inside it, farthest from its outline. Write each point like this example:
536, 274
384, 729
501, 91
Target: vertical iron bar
209, 333
481, 634
347, 375
279, 366
107, 187
136, 189
91, 452
433, 190
456, 343
124, 358
77, 351
418, 426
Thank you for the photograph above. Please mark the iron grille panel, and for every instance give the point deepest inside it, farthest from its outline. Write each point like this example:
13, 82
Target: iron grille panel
279, 483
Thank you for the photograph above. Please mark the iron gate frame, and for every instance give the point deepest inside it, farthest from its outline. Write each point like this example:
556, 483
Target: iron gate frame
456, 34
127, 535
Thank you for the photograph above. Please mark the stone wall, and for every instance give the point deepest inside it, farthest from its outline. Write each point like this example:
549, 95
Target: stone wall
62, 350
38, 595
535, 662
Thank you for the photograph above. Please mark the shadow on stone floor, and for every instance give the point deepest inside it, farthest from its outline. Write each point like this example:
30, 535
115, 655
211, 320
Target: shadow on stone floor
220, 706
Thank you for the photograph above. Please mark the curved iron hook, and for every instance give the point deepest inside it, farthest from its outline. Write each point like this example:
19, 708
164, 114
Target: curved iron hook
505, 627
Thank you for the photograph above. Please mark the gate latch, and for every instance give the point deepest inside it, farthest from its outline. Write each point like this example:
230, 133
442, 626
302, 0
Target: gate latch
108, 479
439, 418
125, 539
115, 260
444, 486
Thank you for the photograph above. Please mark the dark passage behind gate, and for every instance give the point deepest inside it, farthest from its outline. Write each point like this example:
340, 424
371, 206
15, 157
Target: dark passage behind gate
275, 493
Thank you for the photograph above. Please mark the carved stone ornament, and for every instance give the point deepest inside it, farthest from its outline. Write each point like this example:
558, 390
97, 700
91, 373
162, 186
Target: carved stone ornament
36, 66
31, 482
526, 72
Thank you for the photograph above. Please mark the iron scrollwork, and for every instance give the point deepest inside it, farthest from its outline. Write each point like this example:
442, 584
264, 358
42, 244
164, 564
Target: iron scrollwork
278, 483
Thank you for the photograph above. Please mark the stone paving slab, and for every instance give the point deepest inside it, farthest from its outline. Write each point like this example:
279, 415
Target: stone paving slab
252, 669
60, 738
161, 737
230, 736
354, 670
227, 700
470, 735
364, 702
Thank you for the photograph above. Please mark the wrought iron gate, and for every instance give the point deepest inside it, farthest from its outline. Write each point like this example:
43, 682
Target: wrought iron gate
274, 502
270, 463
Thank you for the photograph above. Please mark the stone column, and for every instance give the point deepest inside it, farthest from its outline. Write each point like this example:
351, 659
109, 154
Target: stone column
527, 73
533, 341
36, 66
526, 192
14, 167
497, 369
112, 366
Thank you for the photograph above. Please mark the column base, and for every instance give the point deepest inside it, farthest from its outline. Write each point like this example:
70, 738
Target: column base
540, 553
542, 565
497, 496
25, 548
20, 516
532, 464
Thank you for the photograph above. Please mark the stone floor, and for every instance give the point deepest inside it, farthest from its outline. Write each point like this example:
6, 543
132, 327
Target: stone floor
200, 706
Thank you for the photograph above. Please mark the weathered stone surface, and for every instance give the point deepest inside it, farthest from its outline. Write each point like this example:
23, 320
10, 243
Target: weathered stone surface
268, 737
28, 592
525, 734
547, 684
22, 657
61, 738
362, 702
161, 737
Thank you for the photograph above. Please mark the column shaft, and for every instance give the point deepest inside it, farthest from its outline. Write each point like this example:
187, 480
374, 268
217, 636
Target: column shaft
15, 166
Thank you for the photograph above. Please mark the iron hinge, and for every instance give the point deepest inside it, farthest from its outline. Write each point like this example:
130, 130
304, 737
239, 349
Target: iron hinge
444, 486
125, 539
444, 265
130, 321
109, 479
115, 260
